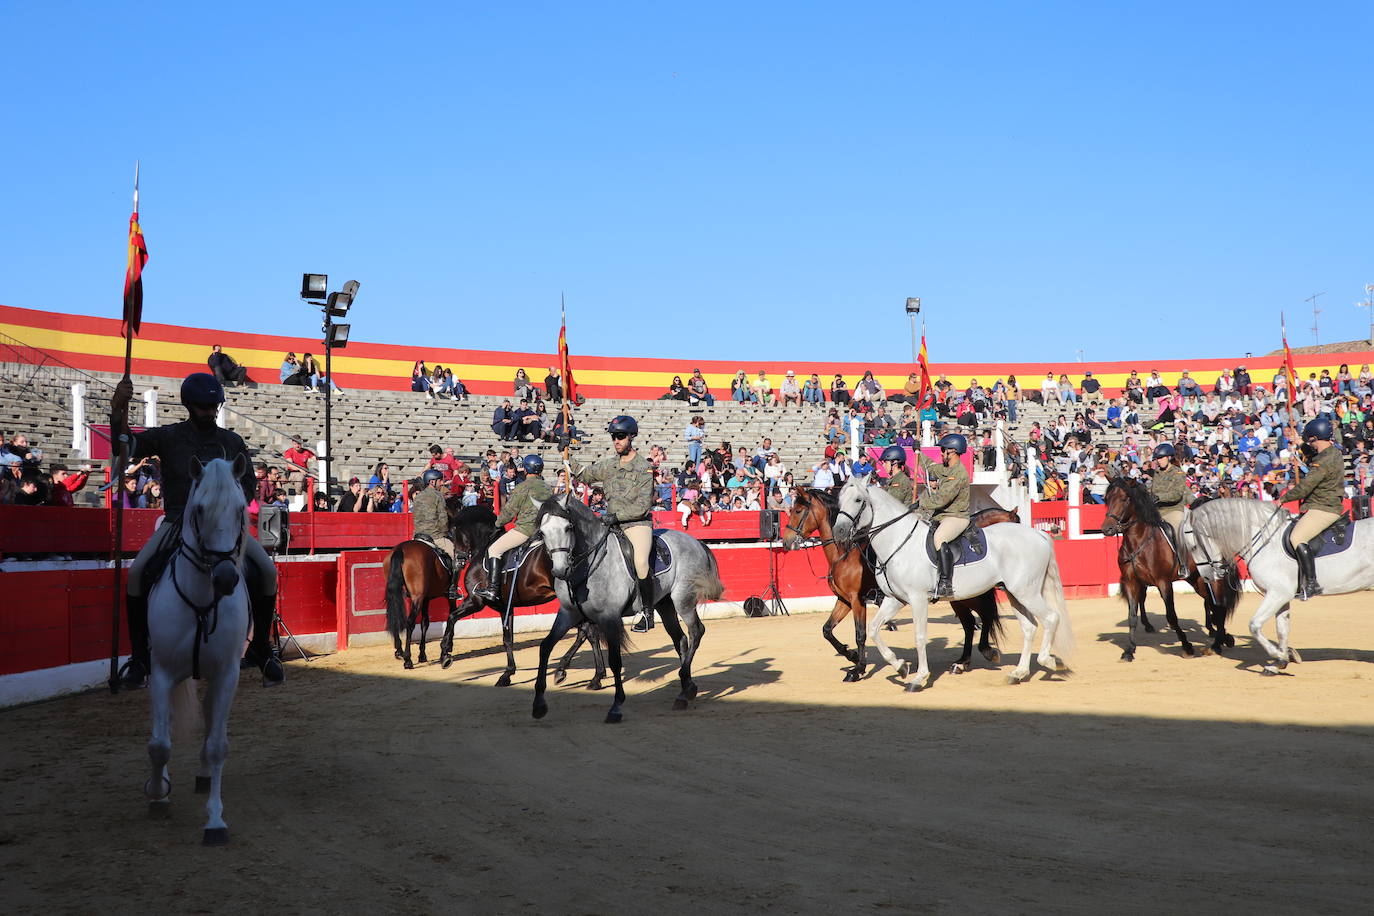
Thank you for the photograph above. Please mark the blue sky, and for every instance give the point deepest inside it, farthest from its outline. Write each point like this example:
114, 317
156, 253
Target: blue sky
705, 180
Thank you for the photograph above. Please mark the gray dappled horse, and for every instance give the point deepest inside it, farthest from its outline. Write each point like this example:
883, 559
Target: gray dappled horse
197, 622
1019, 558
594, 580
1224, 530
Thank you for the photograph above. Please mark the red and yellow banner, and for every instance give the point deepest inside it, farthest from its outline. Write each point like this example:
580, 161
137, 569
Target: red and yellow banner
133, 277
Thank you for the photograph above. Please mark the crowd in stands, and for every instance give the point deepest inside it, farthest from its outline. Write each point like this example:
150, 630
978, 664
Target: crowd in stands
24, 482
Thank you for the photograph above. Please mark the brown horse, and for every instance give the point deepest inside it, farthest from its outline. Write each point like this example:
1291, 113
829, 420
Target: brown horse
1146, 558
851, 578
413, 576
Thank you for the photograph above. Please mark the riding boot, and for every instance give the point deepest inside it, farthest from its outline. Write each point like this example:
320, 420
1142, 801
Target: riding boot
134, 674
645, 623
1308, 586
260, 653
1180, 561
489, 592
945, 587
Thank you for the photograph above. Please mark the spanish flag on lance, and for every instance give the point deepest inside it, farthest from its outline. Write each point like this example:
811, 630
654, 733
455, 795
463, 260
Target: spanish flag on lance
564, 364
927, 397
133, 275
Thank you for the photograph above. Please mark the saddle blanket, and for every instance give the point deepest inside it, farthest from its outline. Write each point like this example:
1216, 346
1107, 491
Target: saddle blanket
1335, 539
511, 559
970, 547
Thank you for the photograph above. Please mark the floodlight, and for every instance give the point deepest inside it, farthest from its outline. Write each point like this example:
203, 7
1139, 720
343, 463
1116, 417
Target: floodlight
337, 336
913, 305
314, 286
338, 304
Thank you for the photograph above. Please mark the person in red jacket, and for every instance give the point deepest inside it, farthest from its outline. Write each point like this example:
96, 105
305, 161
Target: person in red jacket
65, 483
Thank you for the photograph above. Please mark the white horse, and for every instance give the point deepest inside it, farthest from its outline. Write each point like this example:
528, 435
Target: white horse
1226, 529
1019, 558
197, 621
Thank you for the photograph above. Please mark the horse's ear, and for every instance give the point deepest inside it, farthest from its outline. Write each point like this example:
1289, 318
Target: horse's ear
195, 467
241, 465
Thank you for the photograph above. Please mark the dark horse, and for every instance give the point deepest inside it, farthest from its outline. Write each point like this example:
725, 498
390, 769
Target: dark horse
473, 529
1145, 558
851, 578
414, 576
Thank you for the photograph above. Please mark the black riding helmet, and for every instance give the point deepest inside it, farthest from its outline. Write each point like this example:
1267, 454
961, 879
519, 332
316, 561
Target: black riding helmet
623, 424
202, 388
431, 475
894, 453
1319, 428
954, 442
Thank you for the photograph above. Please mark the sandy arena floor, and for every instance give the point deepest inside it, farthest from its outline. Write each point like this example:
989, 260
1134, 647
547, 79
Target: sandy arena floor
1165, 785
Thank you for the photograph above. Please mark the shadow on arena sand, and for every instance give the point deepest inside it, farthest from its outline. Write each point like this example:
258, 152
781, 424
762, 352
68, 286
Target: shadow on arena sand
360, 787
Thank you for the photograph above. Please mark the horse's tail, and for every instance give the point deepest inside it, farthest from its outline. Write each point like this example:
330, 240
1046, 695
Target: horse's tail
396, 593
188, 717
1053, 592
707, 585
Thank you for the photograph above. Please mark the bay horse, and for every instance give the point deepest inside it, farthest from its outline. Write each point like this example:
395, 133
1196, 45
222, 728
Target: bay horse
851, 578
1145, 559
197, 622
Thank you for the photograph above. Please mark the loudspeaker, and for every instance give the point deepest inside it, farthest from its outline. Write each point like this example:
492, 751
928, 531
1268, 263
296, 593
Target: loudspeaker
274, 529
768, 524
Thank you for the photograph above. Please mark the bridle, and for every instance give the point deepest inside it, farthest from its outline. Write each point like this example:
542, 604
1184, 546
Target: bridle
205, 561
809, 507
880, 565
577, 559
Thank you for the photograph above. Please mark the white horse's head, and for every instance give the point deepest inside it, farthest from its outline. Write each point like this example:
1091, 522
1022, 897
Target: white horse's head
215, 520
853, 504
559, 530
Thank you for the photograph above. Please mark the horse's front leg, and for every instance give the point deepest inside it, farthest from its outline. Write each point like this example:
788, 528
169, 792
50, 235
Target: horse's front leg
920, 617
598, 658
1134, 593
219, 697
1283, 622
561, 622
837, 614
560, 671
614, 714
158, 788
860, 610
1275, 603
886, 612
1166, 589
987, 612
508, 642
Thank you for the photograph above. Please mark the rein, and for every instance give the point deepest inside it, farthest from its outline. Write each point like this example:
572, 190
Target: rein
879, 566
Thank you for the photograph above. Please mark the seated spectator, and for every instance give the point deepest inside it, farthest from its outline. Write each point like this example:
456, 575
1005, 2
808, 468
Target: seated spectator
129, 495
1049, 389
278, 499
456, 389
1225, 385
524, 388
526, 423
839, 390
1114, 413
553, 386
225, 369
868, 391
739, 389
1364, 382
436, 380
698, 391
1054, 487
790, 390
1187, 387
881, 423
503, 422
1243, 385
419, 378
812, 393
1067, 393
300, 457
763, 390
676, 390
1155, 387
321, 502
834, 430
381, 477
910, 393
1090, 386
65, 484
28, 457
977, 396
291, 372
1135, 389
1091, 422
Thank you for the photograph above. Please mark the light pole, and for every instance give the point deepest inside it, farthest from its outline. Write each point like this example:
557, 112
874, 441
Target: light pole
334, 305
913, 308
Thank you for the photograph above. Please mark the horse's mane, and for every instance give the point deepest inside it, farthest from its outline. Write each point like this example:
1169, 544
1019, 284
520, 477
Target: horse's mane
1227, 525
474, 525
1142, 503
587, 523
825, 498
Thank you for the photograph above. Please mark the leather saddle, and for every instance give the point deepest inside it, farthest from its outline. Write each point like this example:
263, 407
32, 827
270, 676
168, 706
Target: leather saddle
660, 556
1333, 539
444, 561
513, 559
969, 547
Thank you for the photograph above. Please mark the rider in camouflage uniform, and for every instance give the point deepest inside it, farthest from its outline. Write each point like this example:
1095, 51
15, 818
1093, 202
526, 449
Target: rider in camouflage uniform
946, 499
899, 483
429, 514
628, 481
1321, 492
522, 507
196, 438
1169, 487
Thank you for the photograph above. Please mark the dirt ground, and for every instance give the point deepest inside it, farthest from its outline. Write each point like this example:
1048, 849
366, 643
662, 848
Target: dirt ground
1158, 786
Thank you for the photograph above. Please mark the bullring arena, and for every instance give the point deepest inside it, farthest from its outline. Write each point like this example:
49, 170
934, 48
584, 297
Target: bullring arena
1167, 784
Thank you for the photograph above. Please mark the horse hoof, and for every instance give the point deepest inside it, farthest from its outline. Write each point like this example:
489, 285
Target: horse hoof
850, 676
1147, 627
423, 660
691, 692
957, 668
613, 717
915, 686
1017, 677
1269, 671
409, 665
1188, 650
559, 677
159, 810
202, 785
400, 655
445, 661
595, 684
216, 836
679, 704
1128, 655
905, 671
993, 656
503, 680
1293, 656
1230, 641
541, 709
